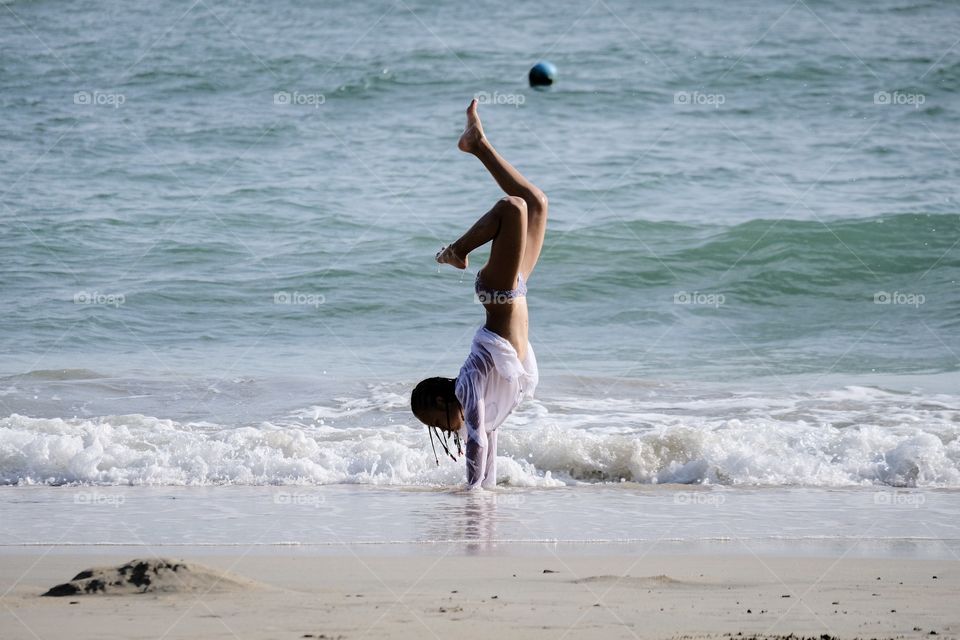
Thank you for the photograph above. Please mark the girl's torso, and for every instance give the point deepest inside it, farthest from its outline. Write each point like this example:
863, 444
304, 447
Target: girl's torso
512, 323
507, 313
499, 377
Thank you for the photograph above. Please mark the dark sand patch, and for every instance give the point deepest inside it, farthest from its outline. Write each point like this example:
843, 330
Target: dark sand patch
157, 575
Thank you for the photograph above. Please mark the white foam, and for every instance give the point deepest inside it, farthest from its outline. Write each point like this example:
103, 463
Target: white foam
849, 437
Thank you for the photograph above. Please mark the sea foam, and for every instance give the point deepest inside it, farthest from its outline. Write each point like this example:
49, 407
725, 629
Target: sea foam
856, 436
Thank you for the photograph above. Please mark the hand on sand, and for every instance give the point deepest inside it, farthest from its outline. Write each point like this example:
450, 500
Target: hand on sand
447, 255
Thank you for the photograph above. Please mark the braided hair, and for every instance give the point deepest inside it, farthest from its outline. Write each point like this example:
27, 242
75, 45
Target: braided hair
422, 399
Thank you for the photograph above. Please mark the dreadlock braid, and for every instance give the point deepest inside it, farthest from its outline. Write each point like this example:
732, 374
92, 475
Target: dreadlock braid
422, 398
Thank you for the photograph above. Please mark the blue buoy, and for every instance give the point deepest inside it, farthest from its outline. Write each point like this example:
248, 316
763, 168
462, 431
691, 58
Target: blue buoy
543, 74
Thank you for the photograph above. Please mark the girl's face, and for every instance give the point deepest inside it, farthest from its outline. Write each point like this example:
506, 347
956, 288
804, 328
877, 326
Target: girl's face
437, 417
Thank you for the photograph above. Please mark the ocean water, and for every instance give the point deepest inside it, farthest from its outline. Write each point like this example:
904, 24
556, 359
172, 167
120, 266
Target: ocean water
219, 220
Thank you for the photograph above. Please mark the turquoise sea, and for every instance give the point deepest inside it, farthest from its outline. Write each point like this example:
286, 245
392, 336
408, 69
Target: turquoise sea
219, 219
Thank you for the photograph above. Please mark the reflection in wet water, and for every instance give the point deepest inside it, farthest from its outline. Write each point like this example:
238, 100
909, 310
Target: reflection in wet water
471, 517
476, 522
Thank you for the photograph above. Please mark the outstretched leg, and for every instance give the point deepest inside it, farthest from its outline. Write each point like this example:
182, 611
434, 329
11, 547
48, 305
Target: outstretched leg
513, 182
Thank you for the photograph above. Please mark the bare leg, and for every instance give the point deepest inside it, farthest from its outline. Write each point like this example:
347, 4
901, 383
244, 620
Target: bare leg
473, 141
506, 225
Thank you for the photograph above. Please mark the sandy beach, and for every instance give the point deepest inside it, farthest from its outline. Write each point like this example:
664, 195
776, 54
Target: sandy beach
559, 594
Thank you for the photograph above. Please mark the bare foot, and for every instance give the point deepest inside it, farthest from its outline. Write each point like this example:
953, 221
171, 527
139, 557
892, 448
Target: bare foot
447, 255
473, 133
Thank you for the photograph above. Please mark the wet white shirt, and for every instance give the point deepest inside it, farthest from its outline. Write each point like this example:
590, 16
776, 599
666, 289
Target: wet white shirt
490, 385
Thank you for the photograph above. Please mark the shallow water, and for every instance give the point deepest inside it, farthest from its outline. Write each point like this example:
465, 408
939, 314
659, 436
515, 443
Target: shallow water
622, 518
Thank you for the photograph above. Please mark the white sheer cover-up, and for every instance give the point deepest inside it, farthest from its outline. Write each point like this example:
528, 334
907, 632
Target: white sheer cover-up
491, 384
